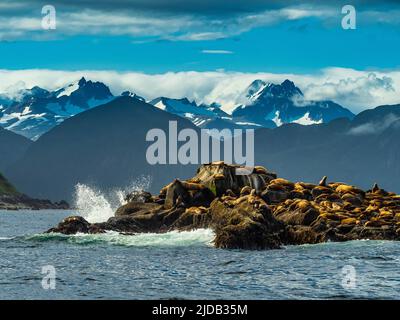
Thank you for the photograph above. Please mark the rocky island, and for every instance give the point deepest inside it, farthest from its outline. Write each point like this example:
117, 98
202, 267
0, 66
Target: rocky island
11, 199
256, 211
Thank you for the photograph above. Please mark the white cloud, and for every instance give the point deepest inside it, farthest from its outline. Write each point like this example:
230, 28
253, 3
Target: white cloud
217, 51
390, 16
357, 90
179, 26
375, 127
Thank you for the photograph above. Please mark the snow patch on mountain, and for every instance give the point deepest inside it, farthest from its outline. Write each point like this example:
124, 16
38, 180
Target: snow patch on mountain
68, 90
271, 105
35, 111
277, 119
306, 120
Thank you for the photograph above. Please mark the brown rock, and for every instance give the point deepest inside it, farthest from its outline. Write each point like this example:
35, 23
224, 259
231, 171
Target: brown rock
245, 225
136, 208
72, 225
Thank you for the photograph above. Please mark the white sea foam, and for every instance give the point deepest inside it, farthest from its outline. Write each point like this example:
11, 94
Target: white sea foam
6, 238
92, 204
202, 237
97, 206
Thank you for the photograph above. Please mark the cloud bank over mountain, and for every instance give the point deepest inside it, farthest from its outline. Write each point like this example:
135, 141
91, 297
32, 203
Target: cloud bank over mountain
189, 20
357, 90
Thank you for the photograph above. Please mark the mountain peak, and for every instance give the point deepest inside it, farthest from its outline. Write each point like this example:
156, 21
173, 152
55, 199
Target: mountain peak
287, 89
82, 81
259, 88
255, 88
132, 95
288, 84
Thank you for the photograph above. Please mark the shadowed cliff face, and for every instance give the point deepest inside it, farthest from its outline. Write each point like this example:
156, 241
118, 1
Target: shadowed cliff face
6, 187
278, 212
11, 199
105, 147
12, 148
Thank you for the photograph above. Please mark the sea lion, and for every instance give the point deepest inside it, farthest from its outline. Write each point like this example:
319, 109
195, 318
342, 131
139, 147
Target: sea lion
179, 202
282, 182
375, 188
230, 193
260, 170
245, 191
322, 183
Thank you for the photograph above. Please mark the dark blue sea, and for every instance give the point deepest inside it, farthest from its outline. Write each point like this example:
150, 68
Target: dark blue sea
183, 265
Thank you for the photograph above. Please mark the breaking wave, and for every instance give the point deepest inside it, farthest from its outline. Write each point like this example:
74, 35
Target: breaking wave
98, 206
199, 237
6, 238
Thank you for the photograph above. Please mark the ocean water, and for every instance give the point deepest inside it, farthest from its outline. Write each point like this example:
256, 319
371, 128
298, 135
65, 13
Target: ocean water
184, 265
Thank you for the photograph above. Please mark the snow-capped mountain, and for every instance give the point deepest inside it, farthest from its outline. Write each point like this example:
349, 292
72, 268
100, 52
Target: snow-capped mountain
204, 116
271, 105
200, 115
35, 111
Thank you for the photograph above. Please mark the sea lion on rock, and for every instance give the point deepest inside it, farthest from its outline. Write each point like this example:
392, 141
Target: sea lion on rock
303, 194
175, 190
260, 169
219, 176
344, 188
139, 196
230, 204
274, 196
317, 191
187, 194
303, 185
245, 191
300, 212
352, 199
349, 221
230, 193
132, 208
282, 182
322, 183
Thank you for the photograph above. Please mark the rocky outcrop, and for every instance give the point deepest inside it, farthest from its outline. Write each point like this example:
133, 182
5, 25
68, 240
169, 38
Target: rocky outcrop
11, 199
246, 222
258, 211
23, 202
76, 224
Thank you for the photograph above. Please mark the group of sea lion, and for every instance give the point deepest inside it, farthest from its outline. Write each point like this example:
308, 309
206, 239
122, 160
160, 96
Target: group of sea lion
257, 211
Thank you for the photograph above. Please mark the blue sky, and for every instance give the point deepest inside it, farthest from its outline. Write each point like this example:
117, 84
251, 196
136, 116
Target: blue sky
278, 48
277, 39
312, 40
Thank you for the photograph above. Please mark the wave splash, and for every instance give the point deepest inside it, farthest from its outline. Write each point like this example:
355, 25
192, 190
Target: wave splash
92, 204
199, 237
97, 206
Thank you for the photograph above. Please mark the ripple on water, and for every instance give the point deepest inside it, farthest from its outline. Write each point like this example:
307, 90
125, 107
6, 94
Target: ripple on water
184, 265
